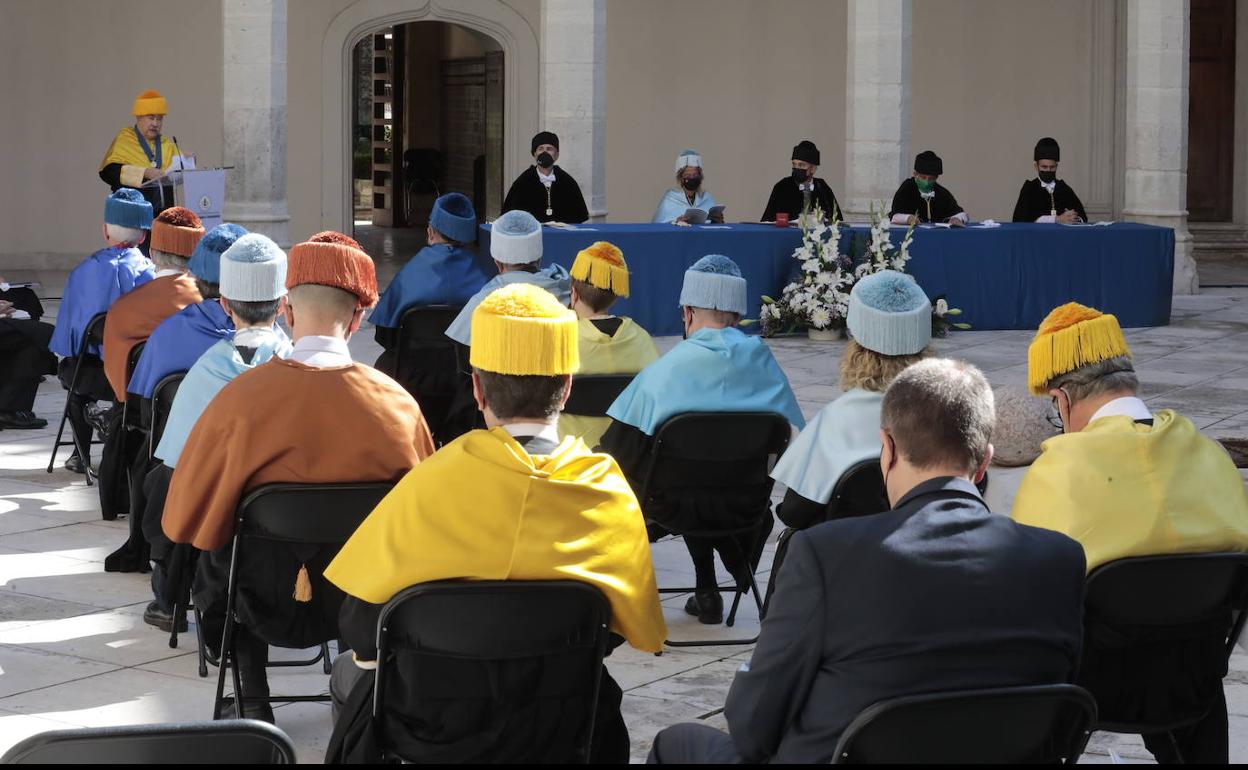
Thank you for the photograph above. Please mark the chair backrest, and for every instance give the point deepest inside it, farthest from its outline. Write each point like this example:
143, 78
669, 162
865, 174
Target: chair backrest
423, 345
94, 333
1037, 724
226, 741
858, 492
161, 404
593, 394
498, 655
324, 514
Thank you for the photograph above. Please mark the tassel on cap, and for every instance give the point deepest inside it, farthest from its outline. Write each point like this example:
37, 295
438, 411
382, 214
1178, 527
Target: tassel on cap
522, 329
1072, 336
602, 266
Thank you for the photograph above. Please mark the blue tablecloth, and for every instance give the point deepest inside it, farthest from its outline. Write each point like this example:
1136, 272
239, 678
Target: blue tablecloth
1007, 277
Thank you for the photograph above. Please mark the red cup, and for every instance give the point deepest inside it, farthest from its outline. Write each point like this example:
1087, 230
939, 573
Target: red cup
782, 219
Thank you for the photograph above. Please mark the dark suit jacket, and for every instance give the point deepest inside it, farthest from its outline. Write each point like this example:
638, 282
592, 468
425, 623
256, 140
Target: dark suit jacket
937, 594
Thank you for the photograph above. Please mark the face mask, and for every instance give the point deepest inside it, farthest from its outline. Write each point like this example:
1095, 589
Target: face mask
1048, 176
799, 175
545, 160
692, 183
925, 185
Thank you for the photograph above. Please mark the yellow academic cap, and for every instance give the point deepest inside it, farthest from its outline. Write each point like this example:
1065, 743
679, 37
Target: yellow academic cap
150, 103
1072, 336
522, 329
602, 266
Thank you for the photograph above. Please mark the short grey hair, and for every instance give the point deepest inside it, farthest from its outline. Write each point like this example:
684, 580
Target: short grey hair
1109, 376
170, 261
124, 234
941, 414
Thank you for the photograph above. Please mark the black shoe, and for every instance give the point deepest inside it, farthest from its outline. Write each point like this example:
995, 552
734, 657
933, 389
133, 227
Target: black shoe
21, 421
154, 615
75, 464
708, 606
98, 417
261, 711
124, 559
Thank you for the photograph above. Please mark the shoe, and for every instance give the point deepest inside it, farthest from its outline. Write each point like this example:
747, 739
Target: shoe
125, 560
98, 417
75, 464
261, 711
708, 606
21, 421
155, 615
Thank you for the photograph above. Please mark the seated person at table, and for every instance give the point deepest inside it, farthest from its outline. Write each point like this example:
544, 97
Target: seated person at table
516, 246
1047, 199
554, 511
609, 344
24, 359
716, 369
92, 288
937, 594
921, 199
1124, 482
675, 202
316, 417
545, 190
253, 288
802, 190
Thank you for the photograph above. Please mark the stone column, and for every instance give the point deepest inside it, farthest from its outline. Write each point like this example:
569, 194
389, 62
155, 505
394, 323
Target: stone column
1155, 189
255, 115
574, 92
877, 103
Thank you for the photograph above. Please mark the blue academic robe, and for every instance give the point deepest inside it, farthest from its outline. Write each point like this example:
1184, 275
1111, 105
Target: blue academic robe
673, 204
715, 370
92, 288
845, 432
440, 274
553, 279
178, 342
214, 369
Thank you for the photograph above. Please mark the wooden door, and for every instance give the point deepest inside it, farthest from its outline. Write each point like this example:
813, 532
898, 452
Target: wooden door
493, 134
1211, 111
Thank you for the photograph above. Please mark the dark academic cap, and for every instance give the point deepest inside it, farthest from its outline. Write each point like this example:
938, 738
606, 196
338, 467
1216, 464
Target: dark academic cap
807, 151
928, 162
543, 137
1047, 149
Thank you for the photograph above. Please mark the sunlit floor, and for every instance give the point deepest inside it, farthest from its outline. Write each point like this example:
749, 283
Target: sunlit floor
74, 649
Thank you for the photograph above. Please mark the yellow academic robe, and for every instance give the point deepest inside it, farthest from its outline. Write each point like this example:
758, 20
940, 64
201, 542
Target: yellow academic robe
1124, 489
482, 508
629, 351
125, 150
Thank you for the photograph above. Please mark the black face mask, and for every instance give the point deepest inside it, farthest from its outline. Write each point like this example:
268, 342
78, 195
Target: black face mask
692, 183
799, 175
545, 160
1048, 176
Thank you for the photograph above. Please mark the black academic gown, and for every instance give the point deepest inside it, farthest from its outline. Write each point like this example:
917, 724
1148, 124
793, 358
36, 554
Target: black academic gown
528, 193
786, 197
160, 196
907, 200
1034, 201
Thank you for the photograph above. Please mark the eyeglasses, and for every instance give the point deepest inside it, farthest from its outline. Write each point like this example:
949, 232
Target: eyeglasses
1055, 414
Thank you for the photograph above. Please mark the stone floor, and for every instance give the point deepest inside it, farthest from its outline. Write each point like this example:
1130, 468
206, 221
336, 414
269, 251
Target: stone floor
75, 651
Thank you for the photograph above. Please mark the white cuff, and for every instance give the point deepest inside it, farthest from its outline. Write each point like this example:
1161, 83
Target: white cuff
1047, 219
900, 219
960, 215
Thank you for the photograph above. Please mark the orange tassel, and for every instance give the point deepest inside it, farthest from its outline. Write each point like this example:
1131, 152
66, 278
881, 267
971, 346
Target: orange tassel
303, 585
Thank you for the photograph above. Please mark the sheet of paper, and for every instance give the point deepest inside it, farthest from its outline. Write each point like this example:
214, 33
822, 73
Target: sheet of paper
716, 227
695, 216
987, 223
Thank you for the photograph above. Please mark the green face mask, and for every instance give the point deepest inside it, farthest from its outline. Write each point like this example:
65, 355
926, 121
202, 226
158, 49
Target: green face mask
925, 185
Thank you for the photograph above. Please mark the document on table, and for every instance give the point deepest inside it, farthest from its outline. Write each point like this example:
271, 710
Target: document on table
566, 226
987, 223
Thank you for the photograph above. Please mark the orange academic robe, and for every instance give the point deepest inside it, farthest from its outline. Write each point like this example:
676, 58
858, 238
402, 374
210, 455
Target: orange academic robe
134, 316
288, 422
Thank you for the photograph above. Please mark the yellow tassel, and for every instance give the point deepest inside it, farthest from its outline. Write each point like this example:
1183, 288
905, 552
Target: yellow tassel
303, 585
602, 265
1072, 336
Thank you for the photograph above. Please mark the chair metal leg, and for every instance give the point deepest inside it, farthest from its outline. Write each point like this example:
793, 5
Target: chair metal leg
59, 433
327, 665
224, 662
1174, 746
204, 657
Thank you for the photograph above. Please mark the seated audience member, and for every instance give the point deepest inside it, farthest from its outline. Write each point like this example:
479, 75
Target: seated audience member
937, 594
802, 190
253, 287
554, 511
1124, 482
690, 195
516, 246
132, 319
609, 344
1047, 199
316, 417
920, 199
92, 288
716, 369
24, 357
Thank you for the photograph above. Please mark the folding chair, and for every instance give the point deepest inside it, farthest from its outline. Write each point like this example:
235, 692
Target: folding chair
432, 367
1041, 724
497, 645
1134, 610
92, 335
321, 515
725, 455
225, 742
162, 403
593, 394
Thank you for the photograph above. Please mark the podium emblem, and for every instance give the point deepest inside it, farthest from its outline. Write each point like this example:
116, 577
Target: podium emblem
205, 203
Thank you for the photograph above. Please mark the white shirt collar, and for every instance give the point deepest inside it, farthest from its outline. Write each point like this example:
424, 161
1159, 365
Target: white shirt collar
1049, 186
166, 271
1127, 406
546, 179
321, 352
541, 430
927, 195
254, 336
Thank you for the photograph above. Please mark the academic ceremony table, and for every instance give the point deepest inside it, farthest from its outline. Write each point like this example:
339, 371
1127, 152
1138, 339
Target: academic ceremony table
1005, 277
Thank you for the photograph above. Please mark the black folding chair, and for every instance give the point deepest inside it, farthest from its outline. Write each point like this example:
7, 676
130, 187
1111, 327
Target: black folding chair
92, 335
706, 455
1041, 724
224, 742
1134, 610
161, 404
593, 394
499, 645
324, 515
431, 366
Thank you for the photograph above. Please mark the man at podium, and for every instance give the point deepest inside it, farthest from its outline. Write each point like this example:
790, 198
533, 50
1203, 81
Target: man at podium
140, 153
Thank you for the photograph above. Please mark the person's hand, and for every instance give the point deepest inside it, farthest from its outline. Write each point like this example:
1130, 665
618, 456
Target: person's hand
956, 222
681, 220
1068, 217
152, 173
6, 308
718, 218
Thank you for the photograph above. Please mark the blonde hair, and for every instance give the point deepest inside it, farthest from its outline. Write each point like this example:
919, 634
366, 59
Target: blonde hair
864, 368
